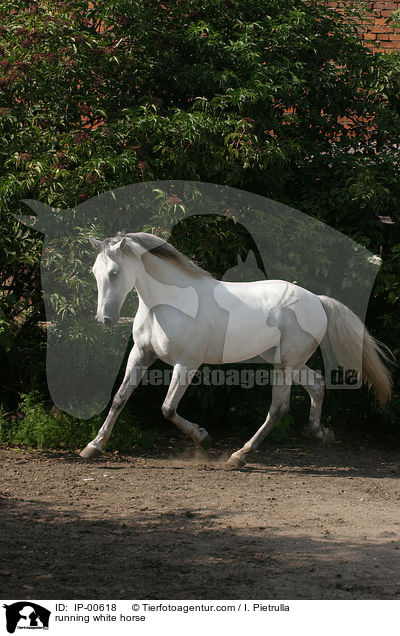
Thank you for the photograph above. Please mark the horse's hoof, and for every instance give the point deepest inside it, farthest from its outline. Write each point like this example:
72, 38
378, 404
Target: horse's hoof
234, 462
206, 441
91, 451
202, 438
329, 437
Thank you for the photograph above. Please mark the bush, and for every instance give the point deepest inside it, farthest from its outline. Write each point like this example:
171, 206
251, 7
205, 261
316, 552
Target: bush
43, 427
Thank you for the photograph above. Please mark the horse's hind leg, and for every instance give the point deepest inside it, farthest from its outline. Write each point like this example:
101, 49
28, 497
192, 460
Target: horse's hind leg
181, 378
279, 407
138, 363
314, 384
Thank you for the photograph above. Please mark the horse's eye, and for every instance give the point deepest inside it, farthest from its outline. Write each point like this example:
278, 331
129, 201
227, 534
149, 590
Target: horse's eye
113, 273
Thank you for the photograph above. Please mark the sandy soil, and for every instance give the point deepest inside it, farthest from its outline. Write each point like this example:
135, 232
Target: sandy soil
300, 522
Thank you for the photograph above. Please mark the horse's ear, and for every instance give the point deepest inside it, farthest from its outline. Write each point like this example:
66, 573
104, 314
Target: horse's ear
30, 221
96, 243
122, 244
44, 219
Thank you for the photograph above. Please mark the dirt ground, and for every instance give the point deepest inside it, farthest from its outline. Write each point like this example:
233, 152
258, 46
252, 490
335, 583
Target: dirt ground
299, 522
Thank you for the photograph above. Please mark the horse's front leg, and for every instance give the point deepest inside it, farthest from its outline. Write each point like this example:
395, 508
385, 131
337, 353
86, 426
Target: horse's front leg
181, 378
138, 363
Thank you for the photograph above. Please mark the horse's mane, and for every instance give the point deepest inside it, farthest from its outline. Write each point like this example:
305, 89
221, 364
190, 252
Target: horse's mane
157, 246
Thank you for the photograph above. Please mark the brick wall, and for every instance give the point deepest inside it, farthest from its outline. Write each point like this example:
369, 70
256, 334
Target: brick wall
378, 34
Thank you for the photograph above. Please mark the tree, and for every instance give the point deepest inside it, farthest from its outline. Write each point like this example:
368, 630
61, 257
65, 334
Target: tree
280, 98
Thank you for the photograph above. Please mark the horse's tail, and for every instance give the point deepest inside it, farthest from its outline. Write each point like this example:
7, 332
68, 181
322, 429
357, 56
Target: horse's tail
349, 342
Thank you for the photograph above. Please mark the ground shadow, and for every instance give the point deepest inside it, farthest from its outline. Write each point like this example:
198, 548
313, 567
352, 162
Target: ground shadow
54, 553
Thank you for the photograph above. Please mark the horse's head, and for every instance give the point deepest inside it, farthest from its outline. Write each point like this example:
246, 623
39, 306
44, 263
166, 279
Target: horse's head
115, 277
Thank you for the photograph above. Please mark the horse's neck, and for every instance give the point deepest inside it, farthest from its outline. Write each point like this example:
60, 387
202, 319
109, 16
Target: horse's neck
162, 282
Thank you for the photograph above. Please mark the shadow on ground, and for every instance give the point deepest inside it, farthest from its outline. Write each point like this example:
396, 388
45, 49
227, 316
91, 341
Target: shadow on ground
60, 554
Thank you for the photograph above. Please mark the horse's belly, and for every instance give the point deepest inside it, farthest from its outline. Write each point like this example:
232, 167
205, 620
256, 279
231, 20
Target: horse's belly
261, 314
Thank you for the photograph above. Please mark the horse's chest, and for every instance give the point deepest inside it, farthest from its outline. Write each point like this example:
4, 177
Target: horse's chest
170, 333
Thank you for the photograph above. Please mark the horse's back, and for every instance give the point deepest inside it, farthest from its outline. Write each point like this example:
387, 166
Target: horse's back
261, 312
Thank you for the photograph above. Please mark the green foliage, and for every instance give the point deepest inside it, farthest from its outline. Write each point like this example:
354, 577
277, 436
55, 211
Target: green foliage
43, 427
281, 432
5, 427
279, 98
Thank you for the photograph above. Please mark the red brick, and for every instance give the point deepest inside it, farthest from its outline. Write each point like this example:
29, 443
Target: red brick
390, 45
378, 36
381, 29
371, 46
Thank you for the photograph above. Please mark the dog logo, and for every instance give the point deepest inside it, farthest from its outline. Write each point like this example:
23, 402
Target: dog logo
26, 615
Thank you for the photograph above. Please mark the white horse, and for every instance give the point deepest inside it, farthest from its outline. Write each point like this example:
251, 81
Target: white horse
186, 317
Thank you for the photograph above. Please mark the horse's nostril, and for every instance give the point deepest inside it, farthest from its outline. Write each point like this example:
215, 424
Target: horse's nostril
108, 322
